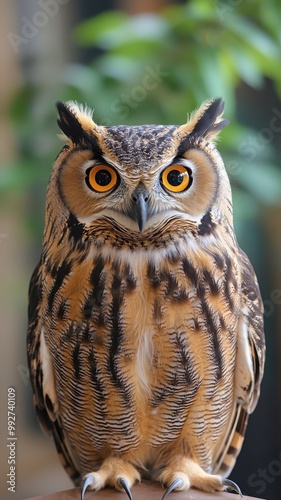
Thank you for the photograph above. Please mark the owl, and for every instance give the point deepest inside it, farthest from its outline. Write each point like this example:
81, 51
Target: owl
145, 338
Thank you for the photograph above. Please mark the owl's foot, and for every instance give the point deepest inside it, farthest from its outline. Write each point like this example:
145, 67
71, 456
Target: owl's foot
183, 473
232, 486
113, 472
176, 485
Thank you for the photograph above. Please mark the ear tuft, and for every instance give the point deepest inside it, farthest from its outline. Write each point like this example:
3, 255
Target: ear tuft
209, 121
75, 122
205, 122
69, 123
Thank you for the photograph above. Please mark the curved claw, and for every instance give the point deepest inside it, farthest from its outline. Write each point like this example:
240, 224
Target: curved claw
85, 483
175, 484
123, 483
232, 486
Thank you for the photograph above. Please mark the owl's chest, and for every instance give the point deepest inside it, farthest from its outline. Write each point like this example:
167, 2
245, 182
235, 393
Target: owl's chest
139, 344
144, 323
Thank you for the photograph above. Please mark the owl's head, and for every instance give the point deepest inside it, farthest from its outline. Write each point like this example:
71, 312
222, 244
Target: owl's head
141, 181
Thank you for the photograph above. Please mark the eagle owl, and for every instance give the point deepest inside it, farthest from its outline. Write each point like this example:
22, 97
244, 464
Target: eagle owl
145, 339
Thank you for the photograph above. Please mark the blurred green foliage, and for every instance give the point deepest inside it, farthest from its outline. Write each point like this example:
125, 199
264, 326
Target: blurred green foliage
155, 68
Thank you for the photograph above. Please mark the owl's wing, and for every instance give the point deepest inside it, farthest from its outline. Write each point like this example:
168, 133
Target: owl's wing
251, 341
249, 368
33, 348
43, 379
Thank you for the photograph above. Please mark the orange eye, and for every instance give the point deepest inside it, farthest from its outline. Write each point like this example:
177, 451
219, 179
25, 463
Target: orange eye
176, 178
101, 178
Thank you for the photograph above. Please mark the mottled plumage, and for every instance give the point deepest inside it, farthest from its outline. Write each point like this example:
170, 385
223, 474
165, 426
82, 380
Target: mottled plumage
145, 340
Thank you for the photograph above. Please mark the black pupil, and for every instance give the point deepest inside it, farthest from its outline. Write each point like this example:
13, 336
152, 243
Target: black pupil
175, 178
103, 177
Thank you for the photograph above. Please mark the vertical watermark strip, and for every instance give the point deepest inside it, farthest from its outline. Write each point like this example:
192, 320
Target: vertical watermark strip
11, 439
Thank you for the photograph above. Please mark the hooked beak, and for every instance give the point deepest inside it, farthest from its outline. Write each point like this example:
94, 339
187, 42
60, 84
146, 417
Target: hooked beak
139, 211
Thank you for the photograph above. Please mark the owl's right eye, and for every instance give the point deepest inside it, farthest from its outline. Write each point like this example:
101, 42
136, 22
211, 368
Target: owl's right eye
176, 178
101, 178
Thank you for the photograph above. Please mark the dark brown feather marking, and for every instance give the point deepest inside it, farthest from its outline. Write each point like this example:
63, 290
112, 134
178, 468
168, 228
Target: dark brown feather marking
34, 294
49, 403
117, 332
70, 332
94, 298
62, 272
131, 280
76, 228
213, 330
242, 422
153, 275
210, 281
219, 261
171, 283
62, 310
229, 279
185, 371
190, 272
98, 384
206, 226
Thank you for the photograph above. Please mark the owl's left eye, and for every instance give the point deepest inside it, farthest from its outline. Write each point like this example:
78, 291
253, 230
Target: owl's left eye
101, 178
176, 178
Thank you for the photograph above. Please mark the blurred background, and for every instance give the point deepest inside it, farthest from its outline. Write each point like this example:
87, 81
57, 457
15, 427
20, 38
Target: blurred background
101, 53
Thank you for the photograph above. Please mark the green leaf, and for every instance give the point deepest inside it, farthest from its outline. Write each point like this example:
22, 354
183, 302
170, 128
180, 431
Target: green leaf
111, 31
90, 32
251, 35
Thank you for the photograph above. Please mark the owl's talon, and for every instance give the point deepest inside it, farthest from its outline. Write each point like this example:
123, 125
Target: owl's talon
175, 484
232, 486
87, 480
123, 483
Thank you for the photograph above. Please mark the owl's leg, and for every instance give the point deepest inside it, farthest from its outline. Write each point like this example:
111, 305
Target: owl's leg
114, 472
183, 473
